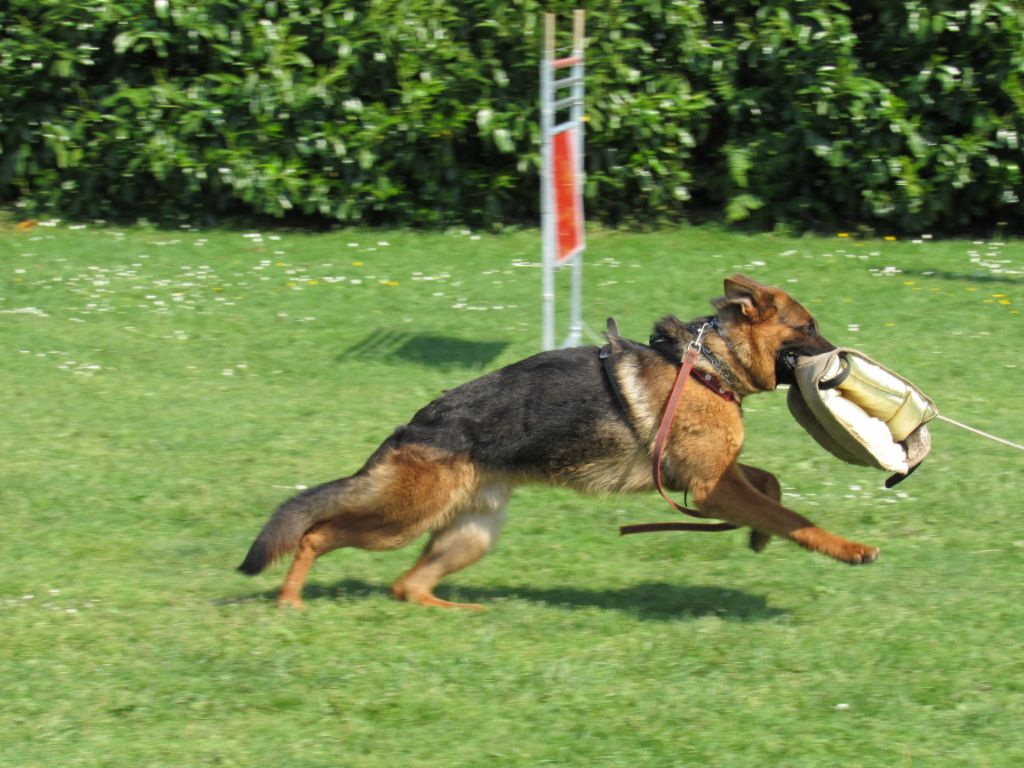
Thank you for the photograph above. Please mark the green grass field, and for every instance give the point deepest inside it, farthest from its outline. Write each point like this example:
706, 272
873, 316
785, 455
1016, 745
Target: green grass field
163, 390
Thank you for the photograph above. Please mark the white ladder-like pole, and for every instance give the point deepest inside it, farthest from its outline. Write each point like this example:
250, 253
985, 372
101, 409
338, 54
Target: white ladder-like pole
550, 105
547, 196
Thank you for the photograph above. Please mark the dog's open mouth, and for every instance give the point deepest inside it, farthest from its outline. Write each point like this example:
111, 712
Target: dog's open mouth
787, 358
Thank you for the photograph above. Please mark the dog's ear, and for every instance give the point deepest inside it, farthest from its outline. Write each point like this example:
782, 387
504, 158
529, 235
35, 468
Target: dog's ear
754, 300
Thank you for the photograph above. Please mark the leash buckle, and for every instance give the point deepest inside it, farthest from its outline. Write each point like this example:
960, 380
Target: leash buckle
696, 343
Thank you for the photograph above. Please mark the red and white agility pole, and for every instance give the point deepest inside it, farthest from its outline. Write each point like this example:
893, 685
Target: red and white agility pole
562, 177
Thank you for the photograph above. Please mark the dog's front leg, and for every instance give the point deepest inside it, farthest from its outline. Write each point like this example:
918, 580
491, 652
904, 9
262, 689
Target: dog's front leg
767, 484
734, 498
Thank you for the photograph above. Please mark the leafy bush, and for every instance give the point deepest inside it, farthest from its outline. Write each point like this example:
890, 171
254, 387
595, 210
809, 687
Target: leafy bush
903, 115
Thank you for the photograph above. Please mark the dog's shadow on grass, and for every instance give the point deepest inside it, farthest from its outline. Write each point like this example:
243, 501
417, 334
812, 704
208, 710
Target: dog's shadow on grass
654, 601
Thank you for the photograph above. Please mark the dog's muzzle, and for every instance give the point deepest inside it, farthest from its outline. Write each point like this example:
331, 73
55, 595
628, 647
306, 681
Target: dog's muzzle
786, 360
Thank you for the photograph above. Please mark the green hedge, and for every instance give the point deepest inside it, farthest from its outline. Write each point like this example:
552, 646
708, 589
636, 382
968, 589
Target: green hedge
901, 115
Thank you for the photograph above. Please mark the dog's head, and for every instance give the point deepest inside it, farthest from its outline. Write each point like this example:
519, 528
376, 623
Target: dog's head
767, 329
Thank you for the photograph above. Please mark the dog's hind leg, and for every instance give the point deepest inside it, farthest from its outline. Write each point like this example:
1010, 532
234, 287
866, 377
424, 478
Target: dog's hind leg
466, 539
319, 540
403, 494
767, 484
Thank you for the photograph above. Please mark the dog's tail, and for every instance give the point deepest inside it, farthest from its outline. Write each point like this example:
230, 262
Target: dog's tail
292, 519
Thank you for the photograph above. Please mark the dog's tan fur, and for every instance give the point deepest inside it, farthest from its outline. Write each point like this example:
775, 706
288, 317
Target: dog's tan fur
446, 474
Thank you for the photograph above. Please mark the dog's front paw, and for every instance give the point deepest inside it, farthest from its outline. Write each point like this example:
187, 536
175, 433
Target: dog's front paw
818, 540
759, 540
860, 554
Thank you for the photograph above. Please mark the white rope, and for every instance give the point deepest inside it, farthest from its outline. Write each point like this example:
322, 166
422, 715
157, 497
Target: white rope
979, 432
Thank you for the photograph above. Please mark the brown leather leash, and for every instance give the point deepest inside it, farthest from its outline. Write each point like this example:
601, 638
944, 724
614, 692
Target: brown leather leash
692, 351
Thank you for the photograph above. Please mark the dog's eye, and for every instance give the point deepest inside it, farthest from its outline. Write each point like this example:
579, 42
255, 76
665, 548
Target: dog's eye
811, 329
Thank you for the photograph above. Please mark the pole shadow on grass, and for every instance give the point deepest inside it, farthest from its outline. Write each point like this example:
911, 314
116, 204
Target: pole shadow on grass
653, 601
435, 351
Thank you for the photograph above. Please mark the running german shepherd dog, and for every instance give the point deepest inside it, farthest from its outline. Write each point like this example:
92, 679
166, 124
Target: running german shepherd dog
583, 418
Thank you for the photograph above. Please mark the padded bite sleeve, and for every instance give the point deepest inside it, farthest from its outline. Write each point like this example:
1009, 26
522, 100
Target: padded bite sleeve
866, 414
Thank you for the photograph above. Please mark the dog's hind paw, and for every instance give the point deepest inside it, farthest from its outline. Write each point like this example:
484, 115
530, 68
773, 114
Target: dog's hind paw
427, 598
290, 602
